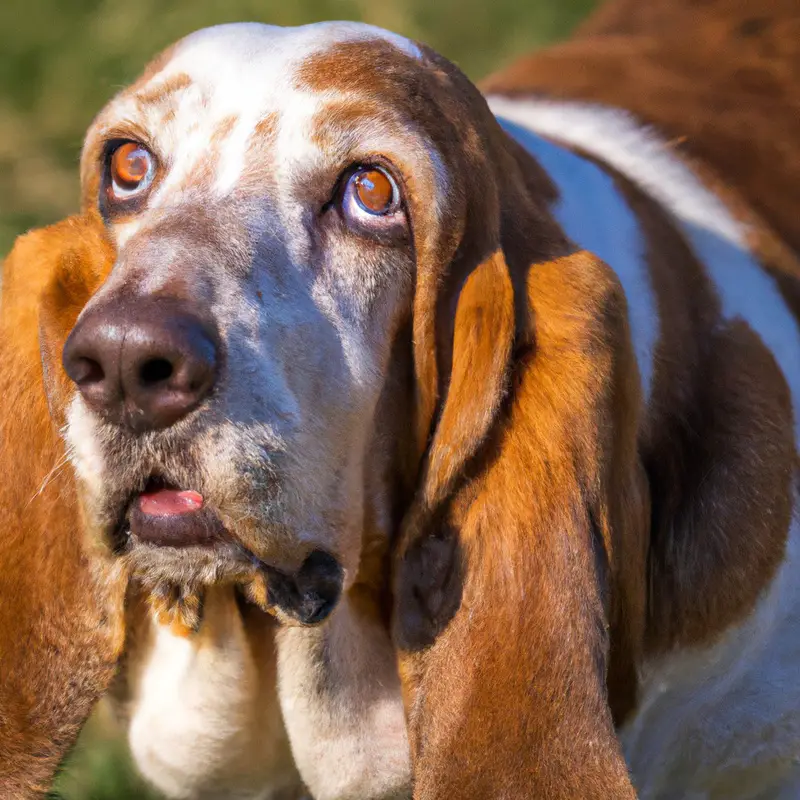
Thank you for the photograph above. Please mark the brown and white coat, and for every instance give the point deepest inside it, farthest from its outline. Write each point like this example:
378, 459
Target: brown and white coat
565, 399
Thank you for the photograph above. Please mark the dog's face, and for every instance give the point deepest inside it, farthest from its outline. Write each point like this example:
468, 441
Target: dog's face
272, 196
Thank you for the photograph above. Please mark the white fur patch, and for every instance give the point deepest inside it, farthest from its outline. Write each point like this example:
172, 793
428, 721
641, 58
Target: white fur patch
341, 700
613, 136
85, 452
616, 138
200, 721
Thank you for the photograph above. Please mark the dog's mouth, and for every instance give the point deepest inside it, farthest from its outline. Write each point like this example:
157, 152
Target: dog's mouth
165, 515
171, 532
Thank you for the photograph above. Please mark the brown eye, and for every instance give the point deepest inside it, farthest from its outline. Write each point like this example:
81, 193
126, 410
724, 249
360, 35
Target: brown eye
374, 190
131, 169
371, 204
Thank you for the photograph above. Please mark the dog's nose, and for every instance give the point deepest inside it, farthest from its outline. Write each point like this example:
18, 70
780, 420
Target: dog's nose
142, 363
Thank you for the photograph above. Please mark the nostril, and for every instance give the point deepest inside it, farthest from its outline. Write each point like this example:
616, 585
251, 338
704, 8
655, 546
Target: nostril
86, 372
155, 371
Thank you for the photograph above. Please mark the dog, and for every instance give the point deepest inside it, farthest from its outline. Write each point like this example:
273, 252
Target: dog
490, 400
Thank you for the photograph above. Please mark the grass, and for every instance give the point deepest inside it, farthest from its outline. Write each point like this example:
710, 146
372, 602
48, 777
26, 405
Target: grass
61, 60
100, 767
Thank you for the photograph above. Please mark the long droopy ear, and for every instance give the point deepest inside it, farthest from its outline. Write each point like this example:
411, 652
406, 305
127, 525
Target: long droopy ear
60, 610
482, 339
521, 557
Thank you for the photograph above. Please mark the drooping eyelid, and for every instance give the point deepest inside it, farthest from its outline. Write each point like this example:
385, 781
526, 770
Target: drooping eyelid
126, 131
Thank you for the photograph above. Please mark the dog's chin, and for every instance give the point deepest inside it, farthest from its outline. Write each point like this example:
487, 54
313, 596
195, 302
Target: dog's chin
192, 567
175, 546
172, 535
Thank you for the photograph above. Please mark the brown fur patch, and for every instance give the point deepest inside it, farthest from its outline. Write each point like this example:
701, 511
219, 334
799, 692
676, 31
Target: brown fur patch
552, 501
720, 525
181, 610
160, 93
61, 615
483, 335
265, 131
223, 130
205, 168
347, 64
259, 170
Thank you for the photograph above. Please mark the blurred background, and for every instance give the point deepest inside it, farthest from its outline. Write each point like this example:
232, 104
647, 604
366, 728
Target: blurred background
61, 60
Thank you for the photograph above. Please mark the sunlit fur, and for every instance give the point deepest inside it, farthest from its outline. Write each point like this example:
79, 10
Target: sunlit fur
586, 469
61, 623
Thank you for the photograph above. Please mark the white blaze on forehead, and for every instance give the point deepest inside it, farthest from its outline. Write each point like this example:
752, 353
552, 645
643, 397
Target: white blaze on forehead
242, 73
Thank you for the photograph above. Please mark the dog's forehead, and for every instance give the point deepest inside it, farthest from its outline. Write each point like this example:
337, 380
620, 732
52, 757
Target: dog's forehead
254, 64
247, 70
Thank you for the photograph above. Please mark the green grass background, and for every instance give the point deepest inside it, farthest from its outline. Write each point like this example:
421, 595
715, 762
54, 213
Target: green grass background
60, 60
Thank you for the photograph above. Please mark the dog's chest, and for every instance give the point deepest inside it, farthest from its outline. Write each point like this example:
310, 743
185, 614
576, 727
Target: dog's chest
721, 721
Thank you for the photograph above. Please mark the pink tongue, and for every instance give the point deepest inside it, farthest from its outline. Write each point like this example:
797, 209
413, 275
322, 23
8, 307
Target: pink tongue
167, 502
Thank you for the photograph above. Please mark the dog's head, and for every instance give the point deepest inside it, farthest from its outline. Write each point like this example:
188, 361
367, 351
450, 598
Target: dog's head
284, 206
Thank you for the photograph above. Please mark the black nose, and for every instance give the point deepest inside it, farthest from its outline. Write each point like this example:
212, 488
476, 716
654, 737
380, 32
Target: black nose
142, 363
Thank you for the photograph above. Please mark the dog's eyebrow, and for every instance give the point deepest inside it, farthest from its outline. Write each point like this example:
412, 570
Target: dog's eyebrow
153, 92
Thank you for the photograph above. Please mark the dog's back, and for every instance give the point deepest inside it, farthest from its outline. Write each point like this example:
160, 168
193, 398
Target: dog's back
715, 88
721, 79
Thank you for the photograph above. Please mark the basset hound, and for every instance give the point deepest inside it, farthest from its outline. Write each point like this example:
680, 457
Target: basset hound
489, 400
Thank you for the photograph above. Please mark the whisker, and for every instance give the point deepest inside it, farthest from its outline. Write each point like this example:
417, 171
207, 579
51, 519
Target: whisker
48, 479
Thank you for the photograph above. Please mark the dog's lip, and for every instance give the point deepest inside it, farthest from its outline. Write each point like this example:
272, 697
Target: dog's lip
164, 515
169, 516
